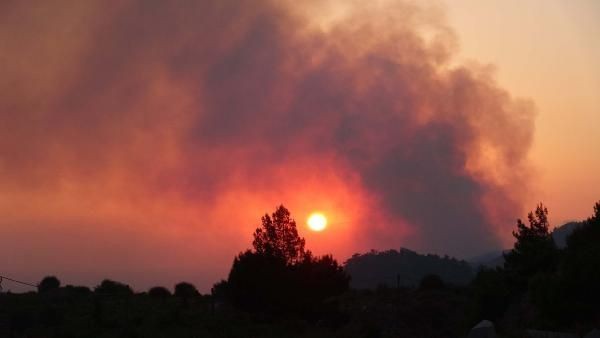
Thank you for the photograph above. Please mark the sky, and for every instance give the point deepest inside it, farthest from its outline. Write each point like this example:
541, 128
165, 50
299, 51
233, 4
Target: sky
549, 53
142, 142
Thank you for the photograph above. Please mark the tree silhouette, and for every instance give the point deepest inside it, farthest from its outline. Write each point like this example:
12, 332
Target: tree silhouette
579, 273
48, 283
259, 282
278, 237
279, 276
538, 228
186, 290
115, 289
159, 292
534, 251
314, 281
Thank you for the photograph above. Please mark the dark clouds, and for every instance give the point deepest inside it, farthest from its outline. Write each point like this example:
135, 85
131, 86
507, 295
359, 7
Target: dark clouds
171, 106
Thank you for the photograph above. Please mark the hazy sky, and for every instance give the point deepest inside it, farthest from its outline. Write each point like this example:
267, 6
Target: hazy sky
548, 51
142, 142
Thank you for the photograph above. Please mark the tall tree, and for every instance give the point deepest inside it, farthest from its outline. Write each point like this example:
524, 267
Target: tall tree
279, 276
580, 271
278, 237
534, 250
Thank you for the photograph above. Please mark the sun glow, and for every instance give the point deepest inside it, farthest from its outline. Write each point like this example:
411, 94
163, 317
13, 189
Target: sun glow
317, 222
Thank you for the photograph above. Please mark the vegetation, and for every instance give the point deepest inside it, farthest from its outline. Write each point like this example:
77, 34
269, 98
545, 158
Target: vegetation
186, 290
541, 285
111, 288
48, 284
280, 277
534, 251
159, 292
279, 289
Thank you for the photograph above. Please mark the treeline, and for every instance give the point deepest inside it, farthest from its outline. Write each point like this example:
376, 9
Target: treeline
278, 288
109, 288
277, 282
111, 309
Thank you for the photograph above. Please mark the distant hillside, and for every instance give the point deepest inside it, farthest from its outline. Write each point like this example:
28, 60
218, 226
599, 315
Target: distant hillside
490, 259
407, 267
561, 233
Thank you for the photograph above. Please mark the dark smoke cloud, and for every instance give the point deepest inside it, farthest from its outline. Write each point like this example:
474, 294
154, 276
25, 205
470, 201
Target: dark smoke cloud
166, 106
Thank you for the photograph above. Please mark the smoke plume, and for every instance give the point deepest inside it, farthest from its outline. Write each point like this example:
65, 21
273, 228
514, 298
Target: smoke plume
144, 140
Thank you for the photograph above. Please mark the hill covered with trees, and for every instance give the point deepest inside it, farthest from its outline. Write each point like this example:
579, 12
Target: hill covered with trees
404, 268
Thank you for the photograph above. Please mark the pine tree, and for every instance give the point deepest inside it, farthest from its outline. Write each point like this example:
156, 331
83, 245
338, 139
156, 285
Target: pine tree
534, 250
278, 237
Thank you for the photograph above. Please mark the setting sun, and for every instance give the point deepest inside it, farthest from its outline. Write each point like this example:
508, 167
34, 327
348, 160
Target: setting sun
317, 222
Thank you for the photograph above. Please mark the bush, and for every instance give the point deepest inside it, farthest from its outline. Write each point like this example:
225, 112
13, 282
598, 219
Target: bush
186, 290
48, 284
112, 288
159, 292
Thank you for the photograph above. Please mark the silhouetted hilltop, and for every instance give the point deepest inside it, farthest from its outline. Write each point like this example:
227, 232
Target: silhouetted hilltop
404, 267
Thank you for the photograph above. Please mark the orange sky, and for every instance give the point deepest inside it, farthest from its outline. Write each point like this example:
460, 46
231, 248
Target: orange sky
143, 142
548, 51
